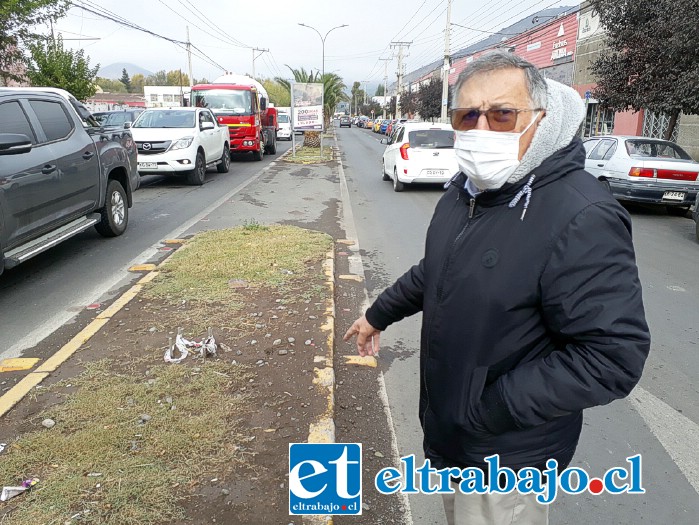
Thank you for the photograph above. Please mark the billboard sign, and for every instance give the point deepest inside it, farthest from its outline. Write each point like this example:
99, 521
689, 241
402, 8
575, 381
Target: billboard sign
307, 106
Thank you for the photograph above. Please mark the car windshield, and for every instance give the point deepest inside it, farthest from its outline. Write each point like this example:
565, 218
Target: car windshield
224, 101
117, 119
165, 119
283, 118
655, 149
431, 138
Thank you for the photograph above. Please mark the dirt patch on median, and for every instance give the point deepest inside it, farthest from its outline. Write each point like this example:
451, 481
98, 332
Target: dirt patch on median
137, 440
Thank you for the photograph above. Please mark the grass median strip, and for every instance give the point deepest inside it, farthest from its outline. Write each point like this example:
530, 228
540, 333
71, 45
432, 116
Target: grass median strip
134, 438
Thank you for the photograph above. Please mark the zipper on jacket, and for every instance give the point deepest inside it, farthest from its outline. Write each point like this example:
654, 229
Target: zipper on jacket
440, 292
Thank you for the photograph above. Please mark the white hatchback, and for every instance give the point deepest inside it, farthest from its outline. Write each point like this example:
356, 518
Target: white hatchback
419, 152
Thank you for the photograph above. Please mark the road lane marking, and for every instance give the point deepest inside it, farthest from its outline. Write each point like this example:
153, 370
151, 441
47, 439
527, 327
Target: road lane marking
678, 434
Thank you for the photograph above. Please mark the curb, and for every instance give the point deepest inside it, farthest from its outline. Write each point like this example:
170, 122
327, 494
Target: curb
35, 377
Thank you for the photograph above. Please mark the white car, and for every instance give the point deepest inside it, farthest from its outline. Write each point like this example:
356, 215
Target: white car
643, 169
284, 122
419, 152
181, 141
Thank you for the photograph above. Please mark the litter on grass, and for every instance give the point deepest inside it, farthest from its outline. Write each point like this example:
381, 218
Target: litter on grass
206, 347
11, 492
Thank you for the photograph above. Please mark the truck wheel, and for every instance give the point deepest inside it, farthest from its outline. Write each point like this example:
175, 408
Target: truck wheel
196, 176
257, 155
115, 214
225, 164
272, 150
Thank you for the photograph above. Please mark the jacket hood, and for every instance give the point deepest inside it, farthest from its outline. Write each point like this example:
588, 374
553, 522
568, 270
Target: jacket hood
565, 111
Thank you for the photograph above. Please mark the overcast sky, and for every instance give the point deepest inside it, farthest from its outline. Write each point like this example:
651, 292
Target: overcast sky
353, 52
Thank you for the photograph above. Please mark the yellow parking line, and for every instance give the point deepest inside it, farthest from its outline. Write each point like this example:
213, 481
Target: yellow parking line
142, 268
15, 394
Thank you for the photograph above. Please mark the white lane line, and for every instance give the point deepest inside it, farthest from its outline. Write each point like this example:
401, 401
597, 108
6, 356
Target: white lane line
45, 329
357, 268
678, 434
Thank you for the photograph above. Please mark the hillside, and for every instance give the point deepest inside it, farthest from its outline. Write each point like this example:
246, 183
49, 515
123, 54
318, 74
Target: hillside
114, 71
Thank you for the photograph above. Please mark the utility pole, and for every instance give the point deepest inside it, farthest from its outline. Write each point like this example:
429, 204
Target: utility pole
254, 49
385, 82
189, 59
445, 72
399, 89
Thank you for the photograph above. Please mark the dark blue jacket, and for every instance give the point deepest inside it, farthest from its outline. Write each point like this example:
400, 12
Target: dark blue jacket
527, 320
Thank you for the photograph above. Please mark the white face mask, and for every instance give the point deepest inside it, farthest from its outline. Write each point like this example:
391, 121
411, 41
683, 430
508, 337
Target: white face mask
488, 158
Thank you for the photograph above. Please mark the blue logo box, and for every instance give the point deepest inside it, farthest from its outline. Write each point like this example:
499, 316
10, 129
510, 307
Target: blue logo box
325, 478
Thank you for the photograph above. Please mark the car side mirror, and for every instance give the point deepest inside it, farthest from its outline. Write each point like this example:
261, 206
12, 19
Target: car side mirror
263, 104
127, 125
207, 125
384, 141
14, 144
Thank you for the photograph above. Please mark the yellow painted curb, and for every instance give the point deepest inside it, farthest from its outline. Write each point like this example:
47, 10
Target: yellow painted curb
322, 429
346, 242
15, 394
174, 241
351, 277
21, 389
17, 364
368, 360
142, 268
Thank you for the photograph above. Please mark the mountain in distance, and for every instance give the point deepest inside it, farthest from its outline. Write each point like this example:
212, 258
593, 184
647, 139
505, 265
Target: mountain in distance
114, 71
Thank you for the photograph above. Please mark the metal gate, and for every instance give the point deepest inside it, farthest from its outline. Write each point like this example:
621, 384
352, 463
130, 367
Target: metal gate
655, 125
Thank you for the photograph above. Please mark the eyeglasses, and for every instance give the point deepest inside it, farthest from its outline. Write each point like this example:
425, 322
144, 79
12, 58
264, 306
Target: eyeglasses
499, 119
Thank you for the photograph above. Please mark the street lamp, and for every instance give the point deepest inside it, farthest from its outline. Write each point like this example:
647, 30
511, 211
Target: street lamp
322, 39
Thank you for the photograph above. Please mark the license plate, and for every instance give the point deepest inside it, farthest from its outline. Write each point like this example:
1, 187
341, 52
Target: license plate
147, 165
673, 196
434, 173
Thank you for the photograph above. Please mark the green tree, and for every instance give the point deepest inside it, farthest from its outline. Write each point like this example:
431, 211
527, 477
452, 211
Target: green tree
379, 90
137, 83
52, 65
157, 79
650, 61
358, 95
18, 23
126, 80
177, 78
109, 85
430, 100
202, 80
279, 95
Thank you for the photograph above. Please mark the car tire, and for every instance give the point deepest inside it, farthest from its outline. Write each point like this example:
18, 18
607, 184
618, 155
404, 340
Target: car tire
398, 186
197, 175
115, 213
225, 164
386, 176
677, 211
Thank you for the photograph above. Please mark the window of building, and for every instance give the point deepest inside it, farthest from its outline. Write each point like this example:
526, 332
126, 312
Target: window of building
599, 121
154, 98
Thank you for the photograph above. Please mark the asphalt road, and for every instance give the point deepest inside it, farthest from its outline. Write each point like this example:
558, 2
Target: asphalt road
659, 419
47, 291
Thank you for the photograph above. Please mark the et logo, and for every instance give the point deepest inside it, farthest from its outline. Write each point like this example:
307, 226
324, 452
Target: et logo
325, 478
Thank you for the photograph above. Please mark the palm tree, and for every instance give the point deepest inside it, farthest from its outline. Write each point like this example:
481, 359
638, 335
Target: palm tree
333, 93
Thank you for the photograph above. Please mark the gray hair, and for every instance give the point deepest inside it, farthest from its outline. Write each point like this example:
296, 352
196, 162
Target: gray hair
501, 59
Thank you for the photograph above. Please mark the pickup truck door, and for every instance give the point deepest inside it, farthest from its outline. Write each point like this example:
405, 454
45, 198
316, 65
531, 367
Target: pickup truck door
27, 181
77, 164
210, 138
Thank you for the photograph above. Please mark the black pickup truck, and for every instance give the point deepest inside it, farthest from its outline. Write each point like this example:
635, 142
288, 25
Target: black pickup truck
60, 173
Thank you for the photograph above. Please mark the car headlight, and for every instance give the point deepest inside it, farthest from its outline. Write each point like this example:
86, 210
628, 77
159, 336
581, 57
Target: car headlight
183, 143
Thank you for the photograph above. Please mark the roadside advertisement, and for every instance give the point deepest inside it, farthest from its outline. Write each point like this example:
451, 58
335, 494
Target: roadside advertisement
307, 106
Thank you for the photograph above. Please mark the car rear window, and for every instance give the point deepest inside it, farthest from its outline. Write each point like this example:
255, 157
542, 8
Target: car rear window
431, 138
53, 119
283, 118
655, 149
